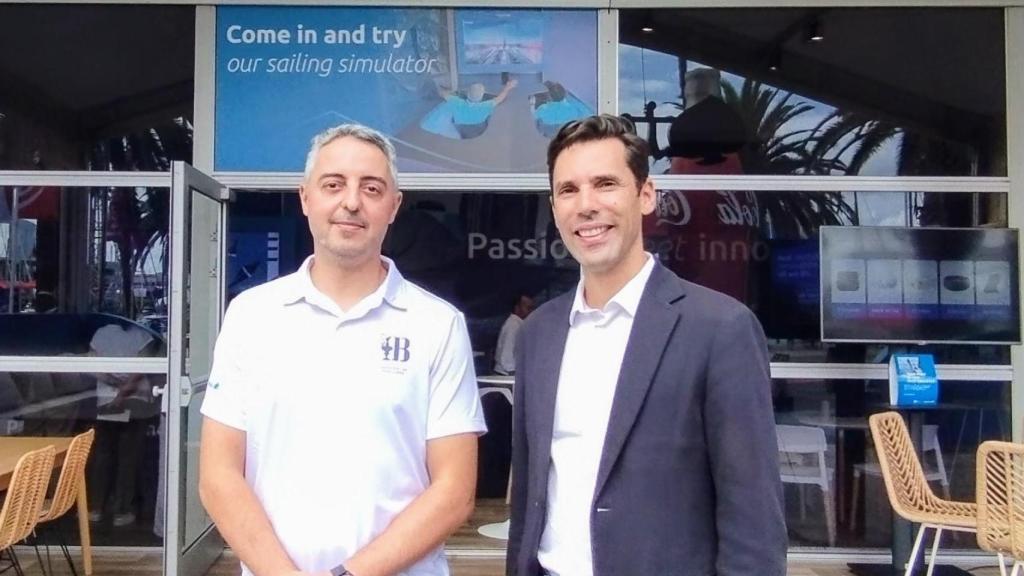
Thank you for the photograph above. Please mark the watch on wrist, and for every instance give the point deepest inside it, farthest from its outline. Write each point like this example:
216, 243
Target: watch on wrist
340, 570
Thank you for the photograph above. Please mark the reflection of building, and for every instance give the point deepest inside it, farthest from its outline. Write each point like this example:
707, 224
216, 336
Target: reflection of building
753, 163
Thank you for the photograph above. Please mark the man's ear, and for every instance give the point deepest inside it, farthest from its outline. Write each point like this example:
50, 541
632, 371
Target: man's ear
648, 197
398, 204
303, 193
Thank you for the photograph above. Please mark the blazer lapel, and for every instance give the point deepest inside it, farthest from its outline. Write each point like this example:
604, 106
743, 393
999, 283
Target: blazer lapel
544, 378
652, 327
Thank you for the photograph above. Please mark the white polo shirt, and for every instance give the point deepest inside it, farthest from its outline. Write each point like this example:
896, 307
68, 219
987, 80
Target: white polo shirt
338, 407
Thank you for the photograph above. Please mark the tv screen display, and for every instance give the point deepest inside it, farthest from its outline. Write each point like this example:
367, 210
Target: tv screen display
490, 42
919, 285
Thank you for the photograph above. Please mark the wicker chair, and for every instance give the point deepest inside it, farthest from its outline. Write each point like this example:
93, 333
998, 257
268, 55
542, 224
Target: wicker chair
909, 493
69, 483
1001, 501
24, 499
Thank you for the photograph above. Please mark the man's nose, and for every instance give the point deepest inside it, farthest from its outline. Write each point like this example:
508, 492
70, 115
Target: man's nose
351, 199
586, 200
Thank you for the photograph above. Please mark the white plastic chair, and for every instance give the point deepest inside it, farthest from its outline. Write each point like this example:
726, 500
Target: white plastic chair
932, 472
498, 530
803, 461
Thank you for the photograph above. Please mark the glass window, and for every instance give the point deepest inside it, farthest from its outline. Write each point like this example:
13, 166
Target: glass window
457, 90
122, 475
835, 413
76, 260
840, 91
94, 87
762, 249
480, 251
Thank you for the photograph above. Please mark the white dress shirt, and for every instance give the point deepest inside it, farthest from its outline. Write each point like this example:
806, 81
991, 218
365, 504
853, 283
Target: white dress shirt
505, 352
593, 356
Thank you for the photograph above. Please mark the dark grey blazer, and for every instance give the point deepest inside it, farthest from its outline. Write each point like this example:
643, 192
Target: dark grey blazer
688, 482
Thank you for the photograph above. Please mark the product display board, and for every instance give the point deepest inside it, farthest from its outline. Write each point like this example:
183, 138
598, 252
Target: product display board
951, 285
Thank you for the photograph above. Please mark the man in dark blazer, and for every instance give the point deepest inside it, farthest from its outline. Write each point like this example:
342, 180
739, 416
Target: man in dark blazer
643, 436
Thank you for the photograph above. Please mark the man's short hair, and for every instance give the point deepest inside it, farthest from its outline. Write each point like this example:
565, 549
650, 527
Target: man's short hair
359, 132
602, 127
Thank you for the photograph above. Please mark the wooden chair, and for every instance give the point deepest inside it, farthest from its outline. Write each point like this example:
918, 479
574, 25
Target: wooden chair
1000, 477
909, 493
932, 472
69, 484
24, 499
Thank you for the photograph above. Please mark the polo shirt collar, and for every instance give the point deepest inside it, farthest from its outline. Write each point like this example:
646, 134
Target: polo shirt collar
627, 299
299, 286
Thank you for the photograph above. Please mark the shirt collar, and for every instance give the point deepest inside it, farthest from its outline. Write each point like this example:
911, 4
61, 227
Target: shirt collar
300, 287
627, 299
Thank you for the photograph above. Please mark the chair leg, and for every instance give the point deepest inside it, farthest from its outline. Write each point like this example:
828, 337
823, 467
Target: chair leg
803, 502
935, 551
17, 565
1018, 567
1002, 564
857, 479
917, 549
39, 557
830, 517
64, 548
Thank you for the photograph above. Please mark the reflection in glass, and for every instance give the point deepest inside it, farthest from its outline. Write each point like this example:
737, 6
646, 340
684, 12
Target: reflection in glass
122, 472
762, 249
88, 103
853, 509
747, 92
75, 259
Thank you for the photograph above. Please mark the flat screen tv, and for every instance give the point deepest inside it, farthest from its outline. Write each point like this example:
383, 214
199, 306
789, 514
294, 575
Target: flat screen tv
919, 285
490, 42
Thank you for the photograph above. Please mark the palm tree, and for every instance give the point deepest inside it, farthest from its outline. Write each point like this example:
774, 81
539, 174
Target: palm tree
839, 144
138, 219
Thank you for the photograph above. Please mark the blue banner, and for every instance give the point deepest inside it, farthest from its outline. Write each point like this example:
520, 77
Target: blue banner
456, 90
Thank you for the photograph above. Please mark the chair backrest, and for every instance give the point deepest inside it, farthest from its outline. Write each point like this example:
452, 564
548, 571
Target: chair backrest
496, 390
25, 495
800, 439
1000, 493
71, 475
904, 479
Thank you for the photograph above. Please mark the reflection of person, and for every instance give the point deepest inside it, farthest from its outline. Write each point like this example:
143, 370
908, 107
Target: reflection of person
505, 352
123, 404
643, 439
558, 109
342, 411
472, 109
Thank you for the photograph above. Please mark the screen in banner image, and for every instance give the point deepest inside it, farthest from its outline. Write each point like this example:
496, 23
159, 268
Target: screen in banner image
919, 284
456, 90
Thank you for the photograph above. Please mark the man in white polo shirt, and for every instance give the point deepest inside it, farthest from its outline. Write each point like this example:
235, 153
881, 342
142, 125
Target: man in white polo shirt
341, 417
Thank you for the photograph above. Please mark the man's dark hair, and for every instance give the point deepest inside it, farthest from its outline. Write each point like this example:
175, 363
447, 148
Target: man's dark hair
602, 127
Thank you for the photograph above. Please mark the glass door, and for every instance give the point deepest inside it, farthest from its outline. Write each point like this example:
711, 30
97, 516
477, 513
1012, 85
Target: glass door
198, 228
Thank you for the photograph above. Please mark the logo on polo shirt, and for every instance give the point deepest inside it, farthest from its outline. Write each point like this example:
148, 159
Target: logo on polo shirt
395, 348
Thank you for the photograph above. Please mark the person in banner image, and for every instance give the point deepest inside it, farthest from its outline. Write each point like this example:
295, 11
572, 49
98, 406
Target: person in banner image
341, 415
643, 431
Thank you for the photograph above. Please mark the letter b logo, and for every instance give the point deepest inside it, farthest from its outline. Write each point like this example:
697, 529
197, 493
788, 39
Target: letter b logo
395, 348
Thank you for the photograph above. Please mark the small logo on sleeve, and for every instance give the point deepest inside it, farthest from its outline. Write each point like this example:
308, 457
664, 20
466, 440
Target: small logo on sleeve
395, 348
